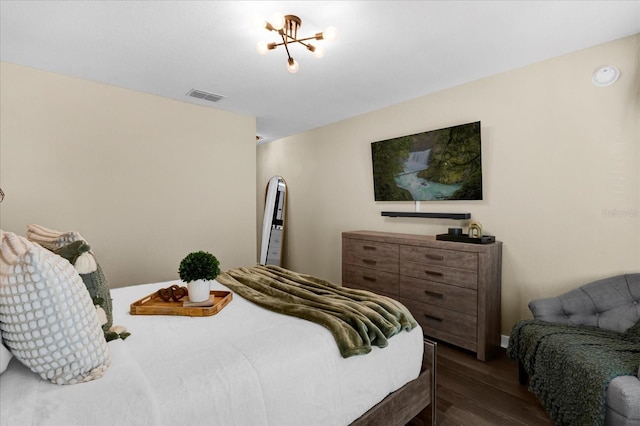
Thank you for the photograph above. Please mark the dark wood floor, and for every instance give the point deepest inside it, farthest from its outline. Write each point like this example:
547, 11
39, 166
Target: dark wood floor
472, 392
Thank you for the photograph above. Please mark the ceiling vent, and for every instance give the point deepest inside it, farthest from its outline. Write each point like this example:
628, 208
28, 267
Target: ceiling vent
211, 97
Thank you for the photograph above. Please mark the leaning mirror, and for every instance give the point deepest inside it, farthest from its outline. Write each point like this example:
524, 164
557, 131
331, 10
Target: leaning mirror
274, 222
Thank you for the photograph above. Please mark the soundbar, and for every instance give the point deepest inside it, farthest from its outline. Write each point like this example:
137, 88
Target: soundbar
456, 216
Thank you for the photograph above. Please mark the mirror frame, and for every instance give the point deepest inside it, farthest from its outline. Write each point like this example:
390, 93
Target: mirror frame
273, 224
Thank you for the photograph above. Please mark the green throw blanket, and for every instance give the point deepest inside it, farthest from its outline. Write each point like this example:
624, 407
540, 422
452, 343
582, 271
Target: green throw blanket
570, 367
357, 319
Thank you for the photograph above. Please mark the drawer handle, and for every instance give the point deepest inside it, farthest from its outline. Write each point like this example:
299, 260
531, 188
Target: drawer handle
436, 273
434, 256
436, 319
364, 277
370, 248
369, 261
434, 294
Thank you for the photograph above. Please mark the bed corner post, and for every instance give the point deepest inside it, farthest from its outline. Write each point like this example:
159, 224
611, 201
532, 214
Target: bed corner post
523, 376
429, 362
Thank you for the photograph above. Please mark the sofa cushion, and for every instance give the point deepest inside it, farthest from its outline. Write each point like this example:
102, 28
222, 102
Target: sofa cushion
611, 303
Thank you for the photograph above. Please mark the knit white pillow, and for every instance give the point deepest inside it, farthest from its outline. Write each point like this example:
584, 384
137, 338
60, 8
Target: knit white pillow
47, 318
73, 247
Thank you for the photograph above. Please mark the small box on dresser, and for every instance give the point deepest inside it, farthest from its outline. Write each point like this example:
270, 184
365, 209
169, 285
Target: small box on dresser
453, 289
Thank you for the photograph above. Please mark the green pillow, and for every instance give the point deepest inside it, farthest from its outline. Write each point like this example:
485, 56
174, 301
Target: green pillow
78, 253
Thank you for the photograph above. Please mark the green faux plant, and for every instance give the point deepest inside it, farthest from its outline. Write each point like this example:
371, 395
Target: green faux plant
199, 265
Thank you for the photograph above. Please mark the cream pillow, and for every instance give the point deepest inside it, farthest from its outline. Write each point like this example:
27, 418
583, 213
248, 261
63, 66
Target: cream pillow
47, 318
50, 238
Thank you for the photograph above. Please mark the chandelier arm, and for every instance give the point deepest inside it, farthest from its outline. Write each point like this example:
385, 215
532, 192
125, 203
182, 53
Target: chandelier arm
286, 45
306, 44
300, 40
294, 41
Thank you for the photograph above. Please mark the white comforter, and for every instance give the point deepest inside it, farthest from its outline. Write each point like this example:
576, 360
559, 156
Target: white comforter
244, 366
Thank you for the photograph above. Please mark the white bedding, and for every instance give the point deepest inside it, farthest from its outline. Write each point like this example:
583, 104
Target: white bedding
244, 366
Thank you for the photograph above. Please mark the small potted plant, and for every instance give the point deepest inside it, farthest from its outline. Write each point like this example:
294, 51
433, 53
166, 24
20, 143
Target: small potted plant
197, 269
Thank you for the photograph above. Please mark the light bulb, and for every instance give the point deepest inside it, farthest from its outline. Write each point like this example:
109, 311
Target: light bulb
319, 52
292, 66
262, 47
330, 34
277, 21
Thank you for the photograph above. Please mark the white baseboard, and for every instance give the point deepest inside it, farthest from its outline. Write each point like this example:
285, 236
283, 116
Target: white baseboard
504, 341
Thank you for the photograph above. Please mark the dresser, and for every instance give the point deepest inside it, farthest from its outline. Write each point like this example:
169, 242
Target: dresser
452, 289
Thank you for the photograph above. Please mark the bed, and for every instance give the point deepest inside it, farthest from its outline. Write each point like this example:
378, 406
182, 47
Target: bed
245, 365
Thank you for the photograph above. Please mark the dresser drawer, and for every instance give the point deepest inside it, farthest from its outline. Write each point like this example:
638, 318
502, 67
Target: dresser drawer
440, 274
440, 323
371, 254
432, 256
371, 248
371, 279
372, 262
442, 295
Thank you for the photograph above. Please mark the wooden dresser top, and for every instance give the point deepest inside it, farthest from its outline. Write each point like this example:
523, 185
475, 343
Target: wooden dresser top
420, 240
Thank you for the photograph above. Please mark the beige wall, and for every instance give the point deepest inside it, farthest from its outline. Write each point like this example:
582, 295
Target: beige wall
561, 163
143, 178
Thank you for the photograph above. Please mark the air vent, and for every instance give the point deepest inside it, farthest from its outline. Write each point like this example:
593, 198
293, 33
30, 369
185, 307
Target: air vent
211, 97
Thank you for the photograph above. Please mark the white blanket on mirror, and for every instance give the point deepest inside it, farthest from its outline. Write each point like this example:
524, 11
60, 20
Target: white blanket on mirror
243, 366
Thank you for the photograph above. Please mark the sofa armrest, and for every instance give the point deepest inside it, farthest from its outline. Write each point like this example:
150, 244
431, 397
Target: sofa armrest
623, 394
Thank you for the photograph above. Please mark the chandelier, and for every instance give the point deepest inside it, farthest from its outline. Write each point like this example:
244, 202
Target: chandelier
287, 26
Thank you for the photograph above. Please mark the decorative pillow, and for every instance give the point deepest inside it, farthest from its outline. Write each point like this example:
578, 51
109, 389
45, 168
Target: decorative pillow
5, 357
47, 318
51, 239
73, 247
79, 255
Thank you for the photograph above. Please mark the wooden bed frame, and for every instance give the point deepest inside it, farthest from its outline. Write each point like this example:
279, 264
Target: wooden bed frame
401, 406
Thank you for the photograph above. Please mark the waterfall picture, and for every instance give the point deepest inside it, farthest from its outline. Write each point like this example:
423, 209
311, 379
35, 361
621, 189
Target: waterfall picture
444, 164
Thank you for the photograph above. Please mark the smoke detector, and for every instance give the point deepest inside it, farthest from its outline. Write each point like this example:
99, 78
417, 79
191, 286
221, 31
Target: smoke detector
605, 76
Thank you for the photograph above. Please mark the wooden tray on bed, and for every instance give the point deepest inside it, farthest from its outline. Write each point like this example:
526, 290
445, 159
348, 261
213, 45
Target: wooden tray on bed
154, 305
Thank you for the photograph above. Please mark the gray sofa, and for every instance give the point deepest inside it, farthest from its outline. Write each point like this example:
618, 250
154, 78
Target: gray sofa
611, 304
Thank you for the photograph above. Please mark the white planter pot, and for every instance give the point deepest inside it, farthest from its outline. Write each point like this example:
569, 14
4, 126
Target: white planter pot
199, 290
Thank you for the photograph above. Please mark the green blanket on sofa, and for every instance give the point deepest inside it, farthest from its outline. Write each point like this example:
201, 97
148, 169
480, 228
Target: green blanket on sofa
570, 367
357, 319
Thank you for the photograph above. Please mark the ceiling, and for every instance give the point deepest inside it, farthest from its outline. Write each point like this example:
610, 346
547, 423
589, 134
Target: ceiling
386, 52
